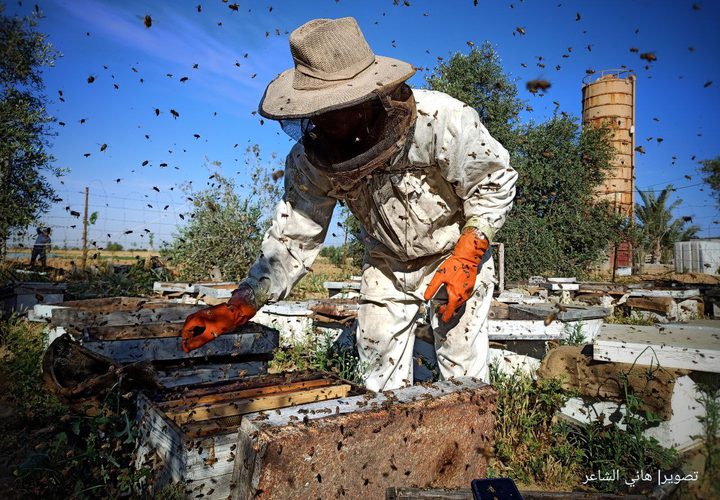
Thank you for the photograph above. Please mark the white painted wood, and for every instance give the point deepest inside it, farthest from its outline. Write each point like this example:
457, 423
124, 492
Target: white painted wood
42, 313
340, 285
670, 346
506, 329
216, 290
78, 318
570, 312
165, 286
560, 286
681, 431
675, 294
355, 404
509, 297
562, 280
52, 333
168, 286
579, 412
509, 362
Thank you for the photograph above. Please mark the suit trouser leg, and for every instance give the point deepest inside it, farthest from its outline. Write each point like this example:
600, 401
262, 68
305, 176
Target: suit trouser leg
387, 319
462, 343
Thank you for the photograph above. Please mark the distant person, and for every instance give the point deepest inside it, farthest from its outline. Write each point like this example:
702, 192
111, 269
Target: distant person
42, 245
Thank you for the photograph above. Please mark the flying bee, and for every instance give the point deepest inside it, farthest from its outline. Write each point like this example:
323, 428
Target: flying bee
648, 56
534, 85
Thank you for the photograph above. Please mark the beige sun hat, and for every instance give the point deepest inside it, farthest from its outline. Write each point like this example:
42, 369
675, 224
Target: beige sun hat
334, 68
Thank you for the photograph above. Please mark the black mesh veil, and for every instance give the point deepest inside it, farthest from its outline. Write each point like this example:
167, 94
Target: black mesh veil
296, 128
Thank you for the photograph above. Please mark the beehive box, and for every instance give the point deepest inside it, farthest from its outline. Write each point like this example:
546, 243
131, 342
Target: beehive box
318, 437
131, 330
21, 296
191, 435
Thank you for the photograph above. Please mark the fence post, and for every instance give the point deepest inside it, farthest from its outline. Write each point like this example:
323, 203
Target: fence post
85, 225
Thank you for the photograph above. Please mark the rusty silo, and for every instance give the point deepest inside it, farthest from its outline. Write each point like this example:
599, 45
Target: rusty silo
610, 98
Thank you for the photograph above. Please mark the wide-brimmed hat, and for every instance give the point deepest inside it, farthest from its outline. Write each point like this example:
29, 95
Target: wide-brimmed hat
334, 68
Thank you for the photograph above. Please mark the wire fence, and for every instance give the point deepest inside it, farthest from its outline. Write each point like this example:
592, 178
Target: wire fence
150, 221
134, 221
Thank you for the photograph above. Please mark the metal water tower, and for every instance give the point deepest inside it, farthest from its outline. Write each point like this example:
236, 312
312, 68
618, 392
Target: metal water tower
608, 97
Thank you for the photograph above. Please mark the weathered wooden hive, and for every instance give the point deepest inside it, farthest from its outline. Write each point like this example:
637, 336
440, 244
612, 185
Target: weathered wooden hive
131, 330
312, 435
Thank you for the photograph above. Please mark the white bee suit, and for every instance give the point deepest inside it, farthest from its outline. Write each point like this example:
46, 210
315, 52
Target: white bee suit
452, 173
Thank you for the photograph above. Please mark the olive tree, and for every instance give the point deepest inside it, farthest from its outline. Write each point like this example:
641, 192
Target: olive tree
25, 125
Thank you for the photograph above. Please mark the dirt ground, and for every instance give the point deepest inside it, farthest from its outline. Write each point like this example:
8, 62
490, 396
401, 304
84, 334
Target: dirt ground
63, 259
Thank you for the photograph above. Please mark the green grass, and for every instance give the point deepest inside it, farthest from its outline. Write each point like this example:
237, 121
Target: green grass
633, 318
55, 452
534, 447
530, 445
311, 285
318, 351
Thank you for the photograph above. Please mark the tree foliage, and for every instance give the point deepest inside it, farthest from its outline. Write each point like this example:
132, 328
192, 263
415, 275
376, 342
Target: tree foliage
657, 229
711, 175
478, 79
24, 125
224, 231
557, 226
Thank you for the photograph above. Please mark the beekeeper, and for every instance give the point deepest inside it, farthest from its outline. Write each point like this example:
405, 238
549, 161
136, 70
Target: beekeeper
427, 182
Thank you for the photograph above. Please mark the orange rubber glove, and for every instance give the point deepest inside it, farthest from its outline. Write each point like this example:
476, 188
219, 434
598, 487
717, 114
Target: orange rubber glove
205, 325
458, 272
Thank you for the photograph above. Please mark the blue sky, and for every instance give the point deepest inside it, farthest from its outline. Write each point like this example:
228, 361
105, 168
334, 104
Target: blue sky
238, 52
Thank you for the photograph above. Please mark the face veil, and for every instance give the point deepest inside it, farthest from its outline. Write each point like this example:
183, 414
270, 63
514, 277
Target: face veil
349, 143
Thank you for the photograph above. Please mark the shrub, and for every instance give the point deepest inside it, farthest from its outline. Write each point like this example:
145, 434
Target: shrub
113, 247
333, 254
224, 231
530, 445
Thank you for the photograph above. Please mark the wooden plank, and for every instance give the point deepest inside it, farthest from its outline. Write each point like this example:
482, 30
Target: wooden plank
80, 319
662, 305
342, 285
675, 294
560, 286
688, 348
264, 381
536, 329
567, 313
216, 291
261, 403
358, 404
190, 288
125, 332
245, 393
427, 493
609, 288
466, 494
562, 280
254, 339
498, 310
199, 374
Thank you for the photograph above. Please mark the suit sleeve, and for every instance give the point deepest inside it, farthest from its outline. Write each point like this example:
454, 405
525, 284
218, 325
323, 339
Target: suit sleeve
479, 168
296, 234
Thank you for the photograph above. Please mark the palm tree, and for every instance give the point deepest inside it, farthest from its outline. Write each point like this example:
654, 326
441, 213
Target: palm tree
655, 221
